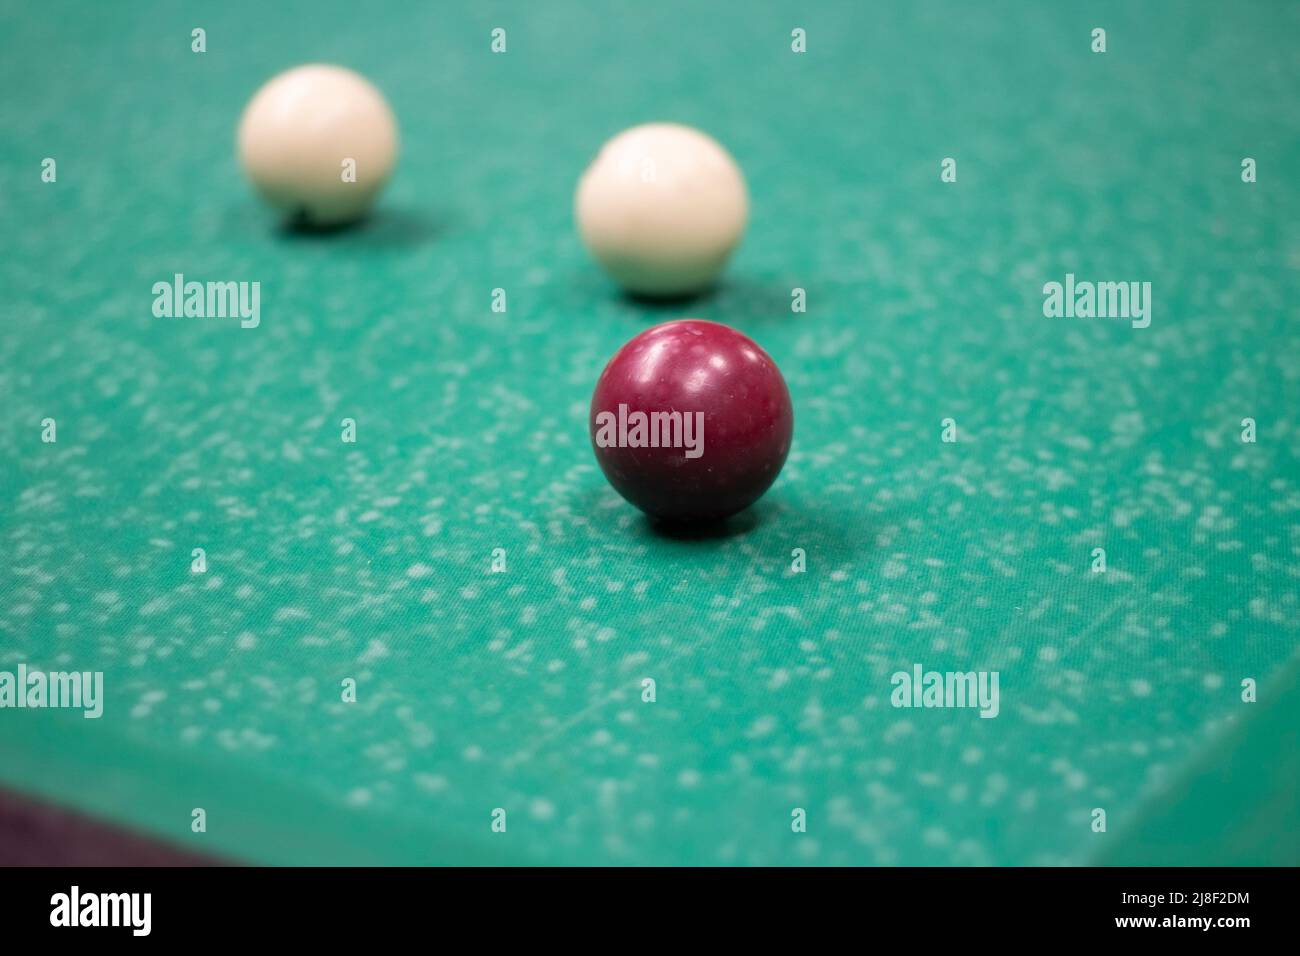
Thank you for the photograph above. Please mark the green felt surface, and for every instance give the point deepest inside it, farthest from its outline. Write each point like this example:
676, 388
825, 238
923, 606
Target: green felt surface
522, 690
1238, 805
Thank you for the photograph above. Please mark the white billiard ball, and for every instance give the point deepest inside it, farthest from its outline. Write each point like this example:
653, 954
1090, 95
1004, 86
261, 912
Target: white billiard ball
661, 208
319, 142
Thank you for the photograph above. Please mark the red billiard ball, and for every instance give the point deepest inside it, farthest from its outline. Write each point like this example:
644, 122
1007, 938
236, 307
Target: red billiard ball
691, 421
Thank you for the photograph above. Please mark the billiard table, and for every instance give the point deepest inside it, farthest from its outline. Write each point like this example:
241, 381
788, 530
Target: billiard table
359, 592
